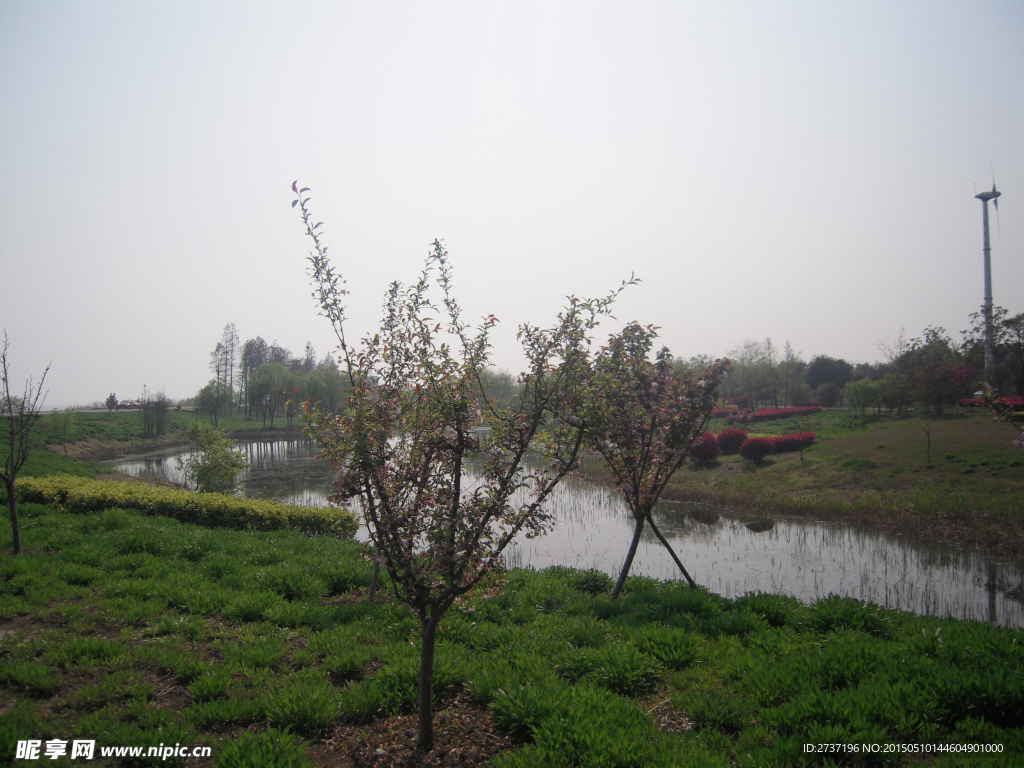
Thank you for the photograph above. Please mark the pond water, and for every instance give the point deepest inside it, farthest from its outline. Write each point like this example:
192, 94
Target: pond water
728, 553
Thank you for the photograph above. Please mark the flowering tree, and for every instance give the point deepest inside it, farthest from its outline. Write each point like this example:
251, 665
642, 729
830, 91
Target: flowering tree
418, 414
643, 418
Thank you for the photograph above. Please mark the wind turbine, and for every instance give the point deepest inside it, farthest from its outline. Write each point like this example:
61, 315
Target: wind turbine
990, 349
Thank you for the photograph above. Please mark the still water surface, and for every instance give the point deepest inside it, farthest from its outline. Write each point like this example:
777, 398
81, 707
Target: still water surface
727, 553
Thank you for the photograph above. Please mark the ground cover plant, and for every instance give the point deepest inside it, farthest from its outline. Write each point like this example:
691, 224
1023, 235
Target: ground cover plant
138, 629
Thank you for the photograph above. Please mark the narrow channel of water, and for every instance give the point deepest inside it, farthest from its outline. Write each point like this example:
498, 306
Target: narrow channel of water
729, 554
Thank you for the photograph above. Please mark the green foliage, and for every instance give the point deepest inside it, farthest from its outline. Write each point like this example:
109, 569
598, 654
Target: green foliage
723, 713
777, 610
212, 510
271, 747
263, 652
835, 612
212, 464
221, 712
212, 684
625, 670
307, 704
591, 582
672, 647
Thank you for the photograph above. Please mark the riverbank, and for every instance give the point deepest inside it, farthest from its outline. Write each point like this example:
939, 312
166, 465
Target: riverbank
876, 473
101, 436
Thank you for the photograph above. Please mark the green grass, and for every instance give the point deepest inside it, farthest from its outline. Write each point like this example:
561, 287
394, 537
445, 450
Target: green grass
136, 629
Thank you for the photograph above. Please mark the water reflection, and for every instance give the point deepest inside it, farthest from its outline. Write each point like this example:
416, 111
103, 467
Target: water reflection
728, 554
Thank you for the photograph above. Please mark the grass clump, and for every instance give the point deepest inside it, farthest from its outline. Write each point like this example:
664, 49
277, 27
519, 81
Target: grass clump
308, 704
272, 747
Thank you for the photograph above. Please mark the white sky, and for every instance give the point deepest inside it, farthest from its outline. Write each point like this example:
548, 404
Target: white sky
803, 171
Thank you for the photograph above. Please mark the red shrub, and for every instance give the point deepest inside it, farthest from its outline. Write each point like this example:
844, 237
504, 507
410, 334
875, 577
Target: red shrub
731, 439
787, 443
705, 449
1013, 400
768, 414
756, 448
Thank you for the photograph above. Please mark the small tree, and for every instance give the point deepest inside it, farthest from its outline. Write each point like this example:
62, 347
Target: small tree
213, 399
61, 424
643, 418
111, 402
19, 415
212, 464
403, 445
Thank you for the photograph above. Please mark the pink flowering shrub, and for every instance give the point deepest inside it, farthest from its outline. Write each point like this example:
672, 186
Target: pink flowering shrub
756, 448
731, 439
705, 449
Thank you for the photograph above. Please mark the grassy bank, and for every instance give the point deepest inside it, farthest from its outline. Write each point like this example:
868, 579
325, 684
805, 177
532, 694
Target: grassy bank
140, 630
875, 471
106, 435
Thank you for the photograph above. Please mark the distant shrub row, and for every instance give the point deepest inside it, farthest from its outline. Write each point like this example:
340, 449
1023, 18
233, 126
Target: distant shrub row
1016, 401
213, 510
764, 414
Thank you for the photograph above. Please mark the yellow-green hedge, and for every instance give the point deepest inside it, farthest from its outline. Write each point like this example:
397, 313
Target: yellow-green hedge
213, 510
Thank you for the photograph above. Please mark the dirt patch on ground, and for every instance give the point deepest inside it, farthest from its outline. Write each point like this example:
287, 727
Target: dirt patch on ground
463, 736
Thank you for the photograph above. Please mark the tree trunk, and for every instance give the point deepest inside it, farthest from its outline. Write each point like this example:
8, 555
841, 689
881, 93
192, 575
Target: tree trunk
425, 738
12, 505
629, 558
650, 519
373, 582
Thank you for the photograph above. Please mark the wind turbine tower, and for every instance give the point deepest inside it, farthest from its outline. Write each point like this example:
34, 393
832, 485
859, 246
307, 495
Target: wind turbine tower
990, 349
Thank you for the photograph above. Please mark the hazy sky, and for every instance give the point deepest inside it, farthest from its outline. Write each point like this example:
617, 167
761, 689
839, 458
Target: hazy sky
803, 171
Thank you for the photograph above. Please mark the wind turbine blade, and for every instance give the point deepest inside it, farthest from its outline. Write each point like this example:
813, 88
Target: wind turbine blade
993, 169
995, 202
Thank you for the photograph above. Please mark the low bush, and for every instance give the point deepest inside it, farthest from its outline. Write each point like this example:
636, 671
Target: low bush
212, 510
790, 443
731, 439
705, 449
756, 448
767, 414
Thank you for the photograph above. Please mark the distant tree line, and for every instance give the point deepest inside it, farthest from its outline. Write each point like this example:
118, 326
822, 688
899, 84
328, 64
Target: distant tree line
931, 371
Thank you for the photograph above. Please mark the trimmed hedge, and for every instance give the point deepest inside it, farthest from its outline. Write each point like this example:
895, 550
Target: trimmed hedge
705, 448
788, 443
769, 414
213, 510
731, 439
756, 448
